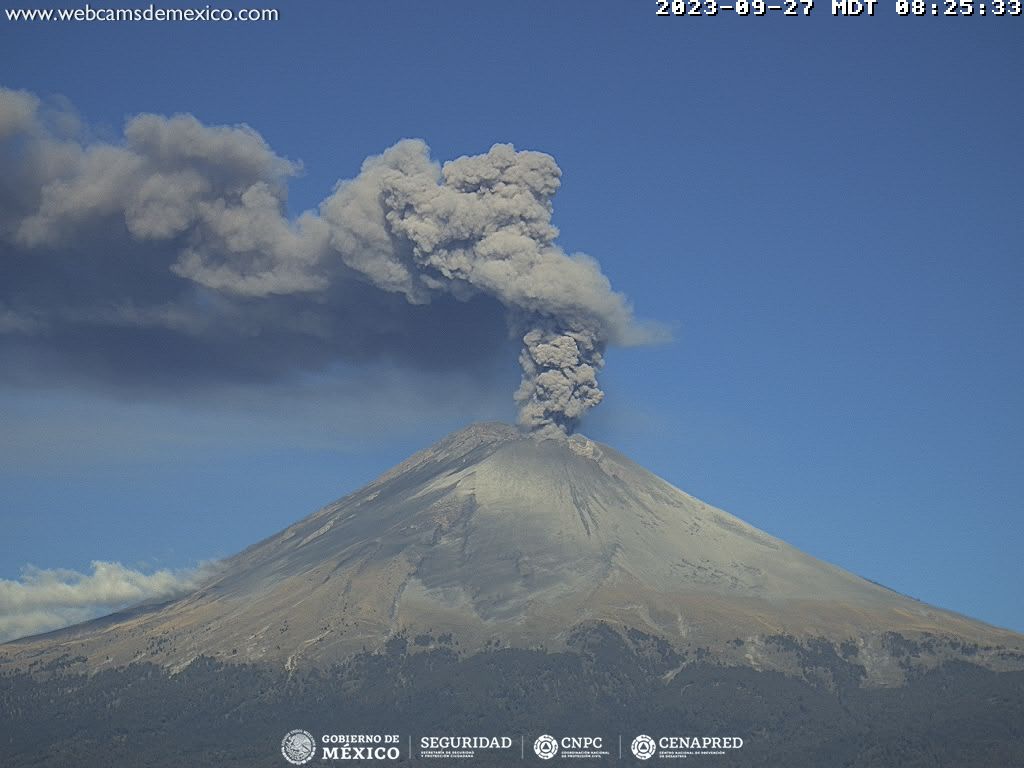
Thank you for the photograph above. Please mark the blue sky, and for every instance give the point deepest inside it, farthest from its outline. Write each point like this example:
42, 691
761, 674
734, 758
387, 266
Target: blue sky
826, 212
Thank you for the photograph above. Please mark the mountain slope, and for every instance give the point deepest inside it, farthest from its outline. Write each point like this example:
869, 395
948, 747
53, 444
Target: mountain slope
490, 538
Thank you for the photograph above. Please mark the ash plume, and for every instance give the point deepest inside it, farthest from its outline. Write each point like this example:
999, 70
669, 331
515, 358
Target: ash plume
175, 240
559, 378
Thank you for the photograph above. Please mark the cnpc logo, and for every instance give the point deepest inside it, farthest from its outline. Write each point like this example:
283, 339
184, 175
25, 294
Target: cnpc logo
547, 746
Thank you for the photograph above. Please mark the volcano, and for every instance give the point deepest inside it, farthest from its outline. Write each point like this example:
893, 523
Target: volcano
491, 538
499, 583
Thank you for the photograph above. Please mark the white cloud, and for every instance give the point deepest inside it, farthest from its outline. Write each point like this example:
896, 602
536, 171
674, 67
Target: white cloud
47, 599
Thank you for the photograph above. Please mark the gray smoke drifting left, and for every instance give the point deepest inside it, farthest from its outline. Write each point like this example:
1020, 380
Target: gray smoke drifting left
176, 238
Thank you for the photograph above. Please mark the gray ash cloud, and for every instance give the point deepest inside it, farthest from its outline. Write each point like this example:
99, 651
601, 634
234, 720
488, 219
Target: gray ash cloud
168, 257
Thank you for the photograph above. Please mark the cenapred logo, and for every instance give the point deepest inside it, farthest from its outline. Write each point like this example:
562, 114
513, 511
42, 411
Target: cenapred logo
298, 746
643, 747
546, 747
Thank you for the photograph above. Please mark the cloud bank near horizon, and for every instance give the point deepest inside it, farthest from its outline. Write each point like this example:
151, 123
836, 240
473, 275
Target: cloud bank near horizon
47, 599
167, 260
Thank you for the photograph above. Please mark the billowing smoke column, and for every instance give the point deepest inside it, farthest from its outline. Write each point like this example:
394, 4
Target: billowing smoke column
484, 224
559, 378
190, 220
